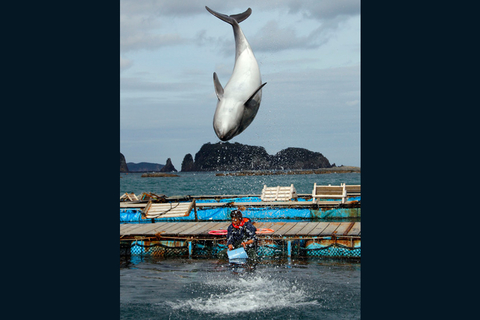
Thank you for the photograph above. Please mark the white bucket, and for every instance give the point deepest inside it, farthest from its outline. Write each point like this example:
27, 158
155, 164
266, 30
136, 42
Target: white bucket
237, 254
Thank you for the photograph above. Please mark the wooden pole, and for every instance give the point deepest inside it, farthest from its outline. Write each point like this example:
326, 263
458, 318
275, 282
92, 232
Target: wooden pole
195, 210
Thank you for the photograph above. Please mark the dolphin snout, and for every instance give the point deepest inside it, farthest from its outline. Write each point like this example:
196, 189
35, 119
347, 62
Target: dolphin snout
226, 135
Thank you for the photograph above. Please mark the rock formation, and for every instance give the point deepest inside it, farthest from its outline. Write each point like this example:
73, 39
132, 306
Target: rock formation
187, 163
123, 163
168, 167
225, 156
299, 158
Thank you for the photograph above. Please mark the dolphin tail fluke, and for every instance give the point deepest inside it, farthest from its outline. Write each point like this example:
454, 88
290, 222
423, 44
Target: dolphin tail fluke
234, 17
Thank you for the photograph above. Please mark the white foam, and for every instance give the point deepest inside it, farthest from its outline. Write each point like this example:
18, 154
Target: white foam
256, 293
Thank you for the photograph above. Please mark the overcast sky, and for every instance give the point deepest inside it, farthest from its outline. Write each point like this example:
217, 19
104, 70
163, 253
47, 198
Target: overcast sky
308, 53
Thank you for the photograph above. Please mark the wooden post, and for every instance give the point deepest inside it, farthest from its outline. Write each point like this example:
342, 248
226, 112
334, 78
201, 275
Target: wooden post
195, 210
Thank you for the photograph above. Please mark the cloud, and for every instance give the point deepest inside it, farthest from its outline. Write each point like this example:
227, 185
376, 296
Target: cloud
141, 85
190, 7
352, 103
272, 37
315, 89
139, 32
141, 23
330, 16
283, 32
147, 41
322, 10
141, 28
125, 64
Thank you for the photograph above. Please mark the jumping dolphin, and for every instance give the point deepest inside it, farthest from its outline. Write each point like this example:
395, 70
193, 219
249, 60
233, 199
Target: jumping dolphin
239, 101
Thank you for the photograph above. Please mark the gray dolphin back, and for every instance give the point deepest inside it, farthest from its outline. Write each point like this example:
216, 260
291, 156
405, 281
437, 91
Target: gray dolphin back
234, 17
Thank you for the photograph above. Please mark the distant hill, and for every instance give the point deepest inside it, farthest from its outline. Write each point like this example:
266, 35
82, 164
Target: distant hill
144, 167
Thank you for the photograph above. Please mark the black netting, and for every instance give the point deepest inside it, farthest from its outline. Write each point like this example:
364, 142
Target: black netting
212, 248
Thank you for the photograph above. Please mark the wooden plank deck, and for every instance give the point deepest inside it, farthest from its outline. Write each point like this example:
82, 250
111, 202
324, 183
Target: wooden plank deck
318, 228
309, 227
281, 229
332, 226
355, 231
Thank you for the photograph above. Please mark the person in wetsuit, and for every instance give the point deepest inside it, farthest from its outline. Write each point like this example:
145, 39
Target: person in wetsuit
241, 233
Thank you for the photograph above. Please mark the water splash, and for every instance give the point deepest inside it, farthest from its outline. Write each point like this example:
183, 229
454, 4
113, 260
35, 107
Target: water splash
251, 293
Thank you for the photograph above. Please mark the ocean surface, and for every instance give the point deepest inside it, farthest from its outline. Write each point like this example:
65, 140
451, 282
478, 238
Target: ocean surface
207, 183
212, 289
179, 288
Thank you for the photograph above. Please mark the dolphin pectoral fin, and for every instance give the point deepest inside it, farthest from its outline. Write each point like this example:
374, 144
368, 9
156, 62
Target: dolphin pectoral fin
256, 91
218, 86
237, 17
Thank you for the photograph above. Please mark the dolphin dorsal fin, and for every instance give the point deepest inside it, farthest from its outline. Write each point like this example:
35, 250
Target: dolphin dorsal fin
246, 102
218, 86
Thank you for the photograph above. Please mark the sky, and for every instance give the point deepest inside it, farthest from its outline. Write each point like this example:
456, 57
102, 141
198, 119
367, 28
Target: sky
308, 53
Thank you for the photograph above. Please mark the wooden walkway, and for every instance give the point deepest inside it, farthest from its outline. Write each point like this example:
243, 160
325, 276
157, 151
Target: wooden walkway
292, 230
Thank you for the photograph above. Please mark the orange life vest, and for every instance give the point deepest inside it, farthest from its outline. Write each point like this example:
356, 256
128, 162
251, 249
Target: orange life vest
241, 223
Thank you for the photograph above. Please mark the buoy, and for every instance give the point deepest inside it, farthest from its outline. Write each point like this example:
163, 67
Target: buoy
263, 231
218, 232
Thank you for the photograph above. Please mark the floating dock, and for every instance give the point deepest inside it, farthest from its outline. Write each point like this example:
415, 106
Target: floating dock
252, 207
192, 239
324, 223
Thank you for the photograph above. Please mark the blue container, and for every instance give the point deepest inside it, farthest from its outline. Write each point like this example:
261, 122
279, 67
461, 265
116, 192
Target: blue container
239, 253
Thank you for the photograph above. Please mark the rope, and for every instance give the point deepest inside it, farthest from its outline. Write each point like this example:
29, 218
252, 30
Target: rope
332, 245
157, 245
178, 203
162, 213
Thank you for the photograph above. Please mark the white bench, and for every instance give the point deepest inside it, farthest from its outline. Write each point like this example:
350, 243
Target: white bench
353, 190
329, 192
278, 193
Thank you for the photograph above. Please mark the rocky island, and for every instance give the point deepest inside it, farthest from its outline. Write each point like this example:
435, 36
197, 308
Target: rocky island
158, 175
123, 164
250, 160
225, 156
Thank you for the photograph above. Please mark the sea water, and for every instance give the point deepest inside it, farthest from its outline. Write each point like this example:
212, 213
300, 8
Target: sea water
208, 183
152, 288
177, 288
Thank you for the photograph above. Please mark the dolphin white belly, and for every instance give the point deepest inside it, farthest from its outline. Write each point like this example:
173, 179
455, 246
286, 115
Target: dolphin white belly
239, 101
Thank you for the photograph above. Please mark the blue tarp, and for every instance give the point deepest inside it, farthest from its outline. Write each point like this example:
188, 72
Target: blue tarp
130, 215
223, 213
